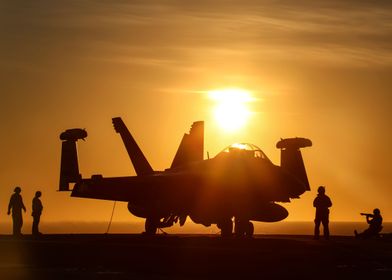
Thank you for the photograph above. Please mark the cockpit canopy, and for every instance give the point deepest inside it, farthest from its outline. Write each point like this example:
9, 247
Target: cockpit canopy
243, 150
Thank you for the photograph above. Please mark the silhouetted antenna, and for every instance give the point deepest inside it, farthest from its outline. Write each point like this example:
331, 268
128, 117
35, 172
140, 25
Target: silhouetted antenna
164, 232
111, 218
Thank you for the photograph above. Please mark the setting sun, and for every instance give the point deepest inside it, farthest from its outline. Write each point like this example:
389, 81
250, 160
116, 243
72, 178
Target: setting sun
231, 111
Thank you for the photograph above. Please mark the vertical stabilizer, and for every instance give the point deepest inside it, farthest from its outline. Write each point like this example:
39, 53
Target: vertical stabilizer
191, 147
291, 158
69, 169
139, 161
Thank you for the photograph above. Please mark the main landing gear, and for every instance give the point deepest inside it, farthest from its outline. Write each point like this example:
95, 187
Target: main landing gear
242, 228
226, 227
152, 224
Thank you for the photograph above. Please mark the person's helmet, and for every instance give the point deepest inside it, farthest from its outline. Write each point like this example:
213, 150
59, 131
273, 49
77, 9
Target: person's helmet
38, 194
376, 211
321, 190
17, 189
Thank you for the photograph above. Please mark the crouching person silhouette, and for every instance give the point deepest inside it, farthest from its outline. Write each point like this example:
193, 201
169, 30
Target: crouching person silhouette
375, 225
16, 205
322, 202
37, 211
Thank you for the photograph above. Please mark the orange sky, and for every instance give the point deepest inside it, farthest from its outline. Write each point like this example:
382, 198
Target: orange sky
317, 70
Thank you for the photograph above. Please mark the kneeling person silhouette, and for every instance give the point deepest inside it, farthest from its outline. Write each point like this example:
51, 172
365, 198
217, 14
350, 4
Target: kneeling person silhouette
375, 225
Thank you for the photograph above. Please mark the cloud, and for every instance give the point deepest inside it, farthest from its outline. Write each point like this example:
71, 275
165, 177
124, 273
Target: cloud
175, 33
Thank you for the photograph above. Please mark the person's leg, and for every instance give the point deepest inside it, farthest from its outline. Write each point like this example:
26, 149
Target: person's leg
326, 228
38, 220
368, 233
20, 224
34, 230
17, 223
317, 228
14, 225
365, 234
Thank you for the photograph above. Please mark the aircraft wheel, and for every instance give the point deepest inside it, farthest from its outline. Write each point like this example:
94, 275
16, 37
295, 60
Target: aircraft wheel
249, 229
243, 228
240, 227
226, 227
151, 226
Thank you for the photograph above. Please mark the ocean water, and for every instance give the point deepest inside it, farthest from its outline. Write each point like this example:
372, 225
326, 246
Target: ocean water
284, 227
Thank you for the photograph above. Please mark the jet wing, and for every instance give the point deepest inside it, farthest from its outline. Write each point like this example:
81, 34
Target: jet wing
135, 188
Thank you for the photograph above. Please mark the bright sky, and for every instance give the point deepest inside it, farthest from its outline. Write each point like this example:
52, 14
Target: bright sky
315, 69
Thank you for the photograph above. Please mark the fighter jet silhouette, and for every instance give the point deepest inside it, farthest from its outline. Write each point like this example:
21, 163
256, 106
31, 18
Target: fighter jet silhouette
240, 183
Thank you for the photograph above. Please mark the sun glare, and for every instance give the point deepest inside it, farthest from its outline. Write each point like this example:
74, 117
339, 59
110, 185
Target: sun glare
231, 111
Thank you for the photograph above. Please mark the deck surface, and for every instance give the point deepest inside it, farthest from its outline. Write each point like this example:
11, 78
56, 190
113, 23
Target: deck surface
118, 256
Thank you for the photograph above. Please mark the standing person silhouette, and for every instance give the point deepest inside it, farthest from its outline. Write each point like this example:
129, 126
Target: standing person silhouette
37, 211
16, 204
322, 202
